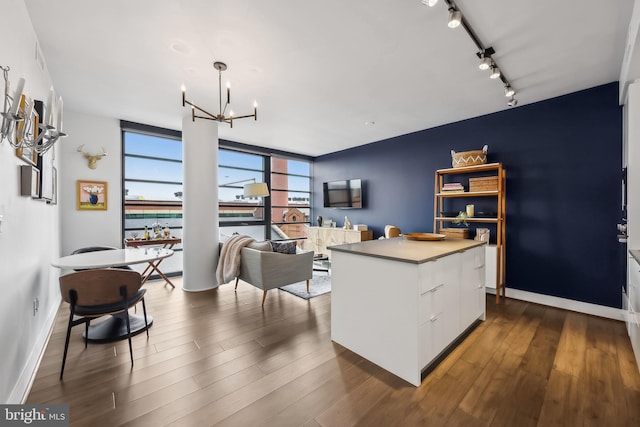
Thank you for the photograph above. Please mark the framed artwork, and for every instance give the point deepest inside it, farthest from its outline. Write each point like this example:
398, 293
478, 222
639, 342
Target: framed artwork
92, 195
54, 185
28, 154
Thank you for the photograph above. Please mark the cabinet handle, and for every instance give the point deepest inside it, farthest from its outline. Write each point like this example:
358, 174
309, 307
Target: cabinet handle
436, 288
478, 267
480, 286
435, 317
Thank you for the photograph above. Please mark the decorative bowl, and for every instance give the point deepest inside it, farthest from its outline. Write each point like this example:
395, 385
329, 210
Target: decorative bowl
424, 236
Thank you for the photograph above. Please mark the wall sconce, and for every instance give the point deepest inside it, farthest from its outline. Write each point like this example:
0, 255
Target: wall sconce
93, 158
19, 124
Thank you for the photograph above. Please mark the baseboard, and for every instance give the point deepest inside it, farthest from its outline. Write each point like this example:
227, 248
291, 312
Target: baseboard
566, 304
27, 376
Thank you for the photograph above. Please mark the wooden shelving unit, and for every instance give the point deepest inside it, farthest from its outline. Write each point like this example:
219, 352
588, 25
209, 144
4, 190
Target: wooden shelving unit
440, 200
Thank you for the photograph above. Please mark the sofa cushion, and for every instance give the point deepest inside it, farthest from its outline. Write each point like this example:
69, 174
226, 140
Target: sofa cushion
261, 246
284, 247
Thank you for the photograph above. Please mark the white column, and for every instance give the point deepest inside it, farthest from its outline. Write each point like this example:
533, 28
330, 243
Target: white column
199, 204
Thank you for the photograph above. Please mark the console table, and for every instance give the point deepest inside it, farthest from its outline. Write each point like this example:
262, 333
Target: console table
153, 266
319, 238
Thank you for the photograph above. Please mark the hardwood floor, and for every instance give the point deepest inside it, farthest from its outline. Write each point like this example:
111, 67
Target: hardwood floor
218, 358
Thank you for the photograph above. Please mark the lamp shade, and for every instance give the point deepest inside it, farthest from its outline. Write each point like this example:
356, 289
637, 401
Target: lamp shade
256, 189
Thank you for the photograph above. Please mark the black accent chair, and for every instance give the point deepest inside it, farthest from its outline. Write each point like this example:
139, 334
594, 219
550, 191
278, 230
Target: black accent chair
100, 292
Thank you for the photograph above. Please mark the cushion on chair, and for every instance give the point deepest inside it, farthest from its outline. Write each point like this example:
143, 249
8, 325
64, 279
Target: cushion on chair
284, 247
264, 246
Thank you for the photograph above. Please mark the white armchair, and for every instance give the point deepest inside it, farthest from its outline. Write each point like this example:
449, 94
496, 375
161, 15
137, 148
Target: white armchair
267, 270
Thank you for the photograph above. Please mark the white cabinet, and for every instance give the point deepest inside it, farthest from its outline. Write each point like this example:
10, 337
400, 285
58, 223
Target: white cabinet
472, 285
319, 238
402, 315
633, 307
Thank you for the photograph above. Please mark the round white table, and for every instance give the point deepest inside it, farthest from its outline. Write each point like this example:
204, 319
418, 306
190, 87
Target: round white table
114, 328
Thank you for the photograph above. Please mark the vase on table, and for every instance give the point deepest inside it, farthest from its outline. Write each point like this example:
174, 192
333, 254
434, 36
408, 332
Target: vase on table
319, 219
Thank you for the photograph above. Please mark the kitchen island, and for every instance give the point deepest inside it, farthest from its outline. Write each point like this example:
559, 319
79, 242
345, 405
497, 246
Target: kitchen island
403, 303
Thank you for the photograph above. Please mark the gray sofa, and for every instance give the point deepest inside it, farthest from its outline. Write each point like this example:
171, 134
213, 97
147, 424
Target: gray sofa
266, 269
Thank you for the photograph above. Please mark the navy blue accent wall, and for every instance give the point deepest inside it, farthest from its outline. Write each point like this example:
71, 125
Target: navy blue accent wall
563, 160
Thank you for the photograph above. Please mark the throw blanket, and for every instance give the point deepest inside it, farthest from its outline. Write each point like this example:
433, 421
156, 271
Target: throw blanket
229, 262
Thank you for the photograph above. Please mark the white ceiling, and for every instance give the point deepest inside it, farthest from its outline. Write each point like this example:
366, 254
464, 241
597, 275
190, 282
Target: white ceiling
320, 70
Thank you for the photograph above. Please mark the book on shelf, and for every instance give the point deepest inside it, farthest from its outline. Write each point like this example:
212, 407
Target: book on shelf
452, 191
453, 186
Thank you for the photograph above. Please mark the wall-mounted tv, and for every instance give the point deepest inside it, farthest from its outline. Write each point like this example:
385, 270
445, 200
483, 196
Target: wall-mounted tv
343, 194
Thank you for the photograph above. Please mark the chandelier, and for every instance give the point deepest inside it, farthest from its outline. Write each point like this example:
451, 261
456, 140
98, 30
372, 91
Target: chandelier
222, 112
21, 127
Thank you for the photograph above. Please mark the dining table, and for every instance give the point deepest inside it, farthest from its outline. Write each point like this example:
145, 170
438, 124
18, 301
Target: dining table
115, 327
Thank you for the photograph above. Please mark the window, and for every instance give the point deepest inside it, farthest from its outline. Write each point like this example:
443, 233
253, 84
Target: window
282, 216
152, 184
237, 214
290, 198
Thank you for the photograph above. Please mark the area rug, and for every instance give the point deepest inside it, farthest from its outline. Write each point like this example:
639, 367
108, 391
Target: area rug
318, 285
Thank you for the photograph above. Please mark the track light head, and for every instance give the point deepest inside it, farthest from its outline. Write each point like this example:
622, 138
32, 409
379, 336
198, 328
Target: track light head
429, 3
512, 102
455, 18
485, 64
495, 72
509, 91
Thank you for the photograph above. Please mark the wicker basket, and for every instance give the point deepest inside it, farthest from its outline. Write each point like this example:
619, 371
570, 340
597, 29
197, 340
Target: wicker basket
469, 158
487, 183
458, 233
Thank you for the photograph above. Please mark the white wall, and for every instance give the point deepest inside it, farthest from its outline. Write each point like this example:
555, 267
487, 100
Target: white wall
90, 228
29, 238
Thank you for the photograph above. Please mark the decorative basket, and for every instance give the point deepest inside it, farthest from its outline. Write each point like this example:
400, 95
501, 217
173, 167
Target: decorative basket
458, 233
469, 158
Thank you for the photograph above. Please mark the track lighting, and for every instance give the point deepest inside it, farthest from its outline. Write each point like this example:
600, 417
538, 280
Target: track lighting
455, 17
485, 64
485, 54
508, 91
512, 102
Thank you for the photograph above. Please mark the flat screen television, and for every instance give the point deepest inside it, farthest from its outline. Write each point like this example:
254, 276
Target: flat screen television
343, 194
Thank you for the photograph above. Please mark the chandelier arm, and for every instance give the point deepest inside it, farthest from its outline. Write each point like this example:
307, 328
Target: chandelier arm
206, 118
243, 117
200, 109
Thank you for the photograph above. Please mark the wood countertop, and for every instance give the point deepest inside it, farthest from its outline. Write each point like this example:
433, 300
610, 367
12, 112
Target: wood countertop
411, 251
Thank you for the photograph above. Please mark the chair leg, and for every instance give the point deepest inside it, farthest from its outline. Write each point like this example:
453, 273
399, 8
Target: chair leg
66, 344
144, 310
307, 285
126, 315
264, 297
237, 278
86, 333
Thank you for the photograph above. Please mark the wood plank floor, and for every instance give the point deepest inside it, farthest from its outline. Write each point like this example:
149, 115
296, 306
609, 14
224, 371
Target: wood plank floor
218, 358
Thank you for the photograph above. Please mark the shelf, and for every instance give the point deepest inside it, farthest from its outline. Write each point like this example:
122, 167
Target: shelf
493, 193
485, 220
470, 169
444, 202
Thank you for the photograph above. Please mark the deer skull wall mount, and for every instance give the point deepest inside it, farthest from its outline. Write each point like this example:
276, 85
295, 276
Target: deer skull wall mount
92, 158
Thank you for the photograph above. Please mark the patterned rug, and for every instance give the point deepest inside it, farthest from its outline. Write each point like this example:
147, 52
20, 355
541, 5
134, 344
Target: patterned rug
320, 284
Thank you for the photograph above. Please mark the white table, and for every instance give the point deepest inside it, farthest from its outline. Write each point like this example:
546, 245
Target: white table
114, 328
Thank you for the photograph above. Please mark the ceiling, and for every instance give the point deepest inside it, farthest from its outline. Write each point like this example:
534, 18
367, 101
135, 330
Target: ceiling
327, 75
